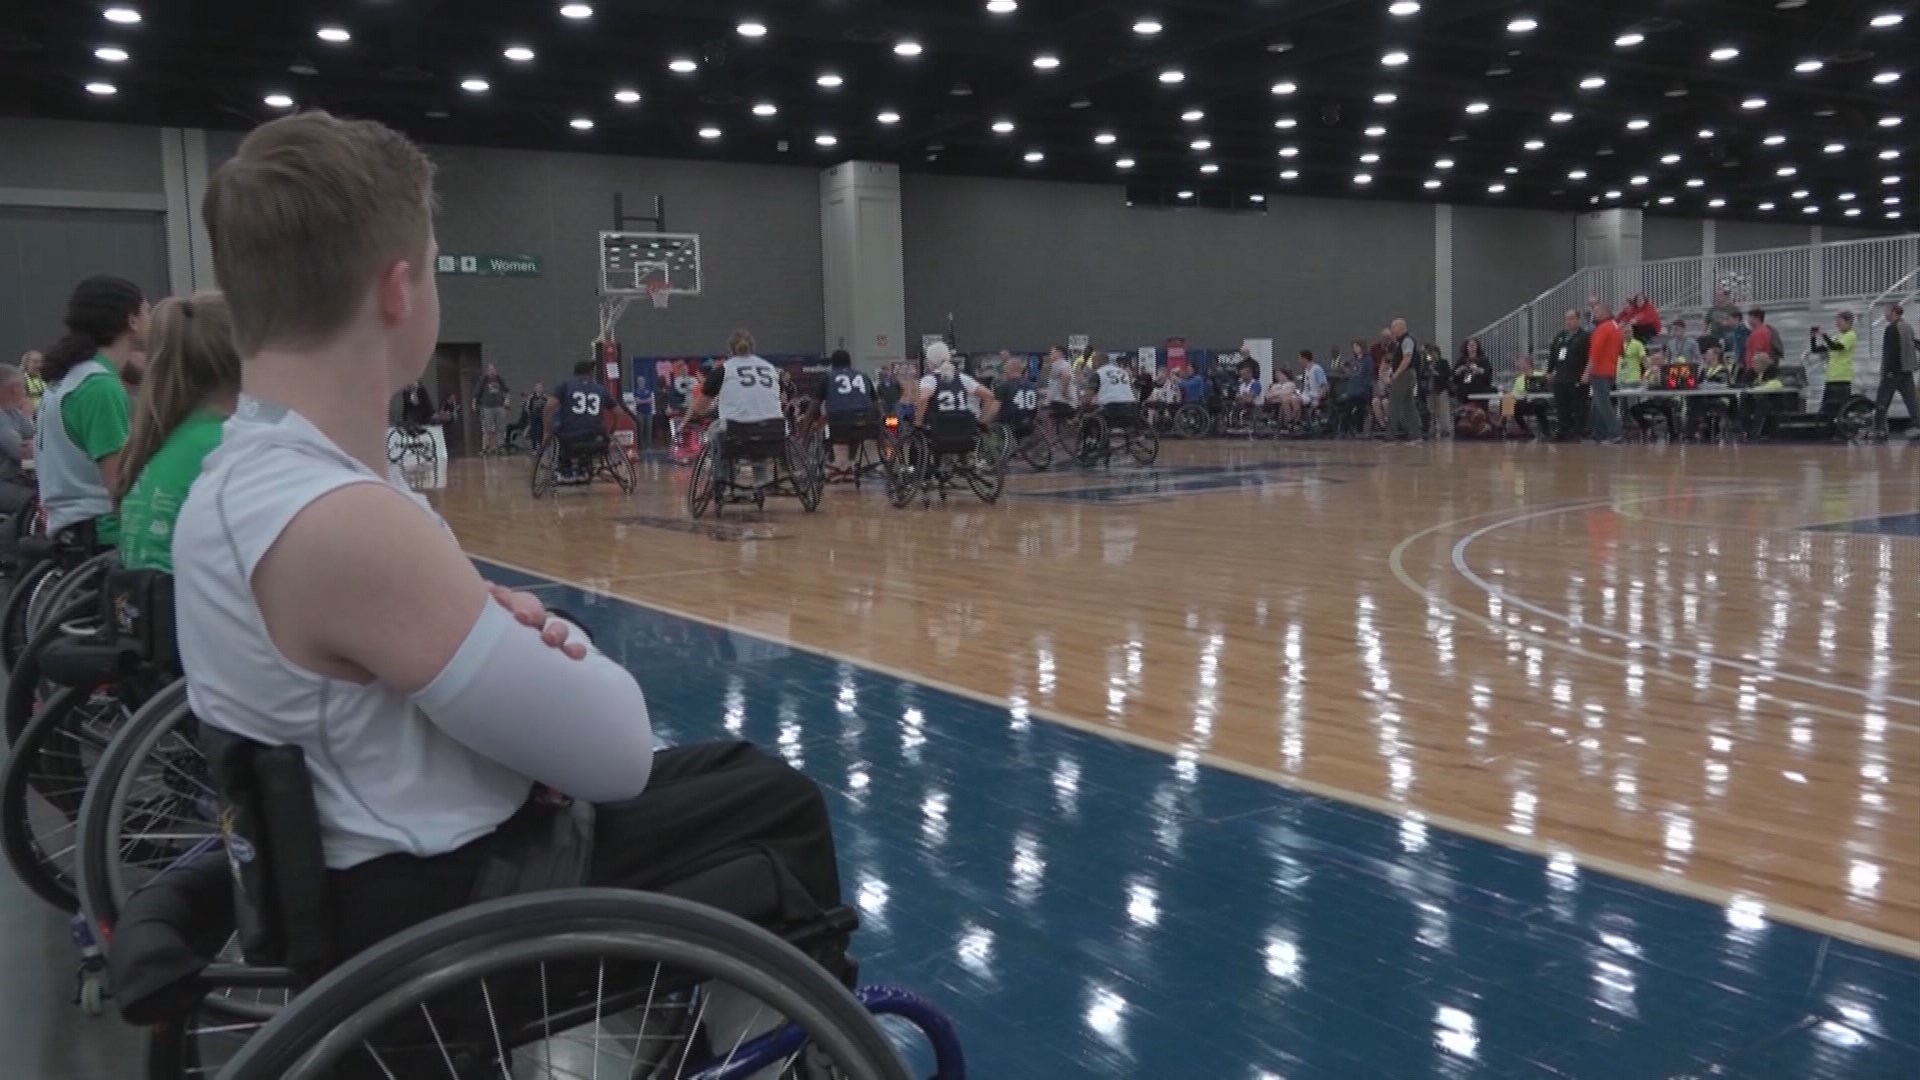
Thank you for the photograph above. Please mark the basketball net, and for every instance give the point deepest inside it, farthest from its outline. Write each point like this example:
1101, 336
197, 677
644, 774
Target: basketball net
658, 292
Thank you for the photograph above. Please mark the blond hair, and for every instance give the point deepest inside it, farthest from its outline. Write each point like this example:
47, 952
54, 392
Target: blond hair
309, 211
191, 361
740, 343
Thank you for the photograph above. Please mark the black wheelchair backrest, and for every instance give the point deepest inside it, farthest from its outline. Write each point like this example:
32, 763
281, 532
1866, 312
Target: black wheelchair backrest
271, 828
140, 612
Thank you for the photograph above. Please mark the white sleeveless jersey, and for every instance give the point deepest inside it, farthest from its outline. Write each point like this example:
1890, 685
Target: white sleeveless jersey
751, 391
386, 780
1061, 389
1113, 385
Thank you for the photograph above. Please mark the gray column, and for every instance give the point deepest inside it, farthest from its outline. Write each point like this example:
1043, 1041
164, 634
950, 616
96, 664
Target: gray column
183, 161
1709, 265
1816, 268
1610, 242
865, 271
1443, 275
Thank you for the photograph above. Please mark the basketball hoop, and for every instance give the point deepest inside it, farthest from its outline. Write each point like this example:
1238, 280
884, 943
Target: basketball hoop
657, 291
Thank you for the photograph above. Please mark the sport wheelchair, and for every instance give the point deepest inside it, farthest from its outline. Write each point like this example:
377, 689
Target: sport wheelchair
932, 458
764, 444
546, 983
1023, 438
54, 569
411, 441
580, 461
1101, 430
864, 434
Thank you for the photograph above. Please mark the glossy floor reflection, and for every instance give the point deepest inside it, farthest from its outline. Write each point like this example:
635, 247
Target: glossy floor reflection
1089, 908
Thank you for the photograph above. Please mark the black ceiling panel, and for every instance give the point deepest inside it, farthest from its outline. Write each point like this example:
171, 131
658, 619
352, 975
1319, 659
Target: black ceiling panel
1837, 78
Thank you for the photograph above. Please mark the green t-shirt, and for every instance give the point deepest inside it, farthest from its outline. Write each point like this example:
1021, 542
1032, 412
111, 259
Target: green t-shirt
1632, 363
1840, 357
96, 417
149, 509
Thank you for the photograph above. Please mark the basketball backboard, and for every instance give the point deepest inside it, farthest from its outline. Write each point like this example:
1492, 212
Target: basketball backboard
631, 261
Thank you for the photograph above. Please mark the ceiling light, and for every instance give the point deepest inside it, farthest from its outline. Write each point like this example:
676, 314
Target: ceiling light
1171, 76
829, 81
1808, 67
1891, 200
1289, 174
1369, 159
709, 133
1853, 211
1834, 148
680, 65
1614, 194
1723, 54
1257, 198
102, 89
632, 97
1665, 200
1561, 117
1286, 123
1785, 170
1046, 61
1753, 103
332, 35
1765, 206
1201, 144
1002, 7
1593, 82
1404, 8
1362, 178
1716, 203
1124, 163
1889, 180
1670, 159
576, 11
1887, 78
1209, 168
907, 48
1881, 22
278, 101
1385, 98
1639, 123
1577, 174
1475, 108
474, 86
1889, 121
1696, 182
1522, 25
1629, 39
1811, 209
1638, 181
1003, 127
1193, 116
1774, 139
1847, 196
580, 123
1376, 131
1289, 151
888, 117
1034, 157
125, 16
825, 139
1802, 193
1105, 138
519, 54
1676, 91
1534, 144
110, 55
765, 108
1893, 215
1496, 188
1186, 194
1431, 185
1147, 27
1443, 163
1285, 87
1706, 133
751, 29
1889, 154
1395, 58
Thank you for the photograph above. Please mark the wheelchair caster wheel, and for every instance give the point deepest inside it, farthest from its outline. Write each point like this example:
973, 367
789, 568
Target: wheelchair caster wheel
91, 994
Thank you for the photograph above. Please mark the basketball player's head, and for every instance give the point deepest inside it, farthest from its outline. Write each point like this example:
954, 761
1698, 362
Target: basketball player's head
841, 359
322, 233
583, 370
940, 359
105, 314
191, 364
740, 343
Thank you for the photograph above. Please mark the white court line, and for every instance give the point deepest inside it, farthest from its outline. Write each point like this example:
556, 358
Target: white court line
1654, 879
1460, 564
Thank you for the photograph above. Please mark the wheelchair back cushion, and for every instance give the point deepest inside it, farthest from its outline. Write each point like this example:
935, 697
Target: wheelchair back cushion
581, 445
140, 611
857, 427
757, 439
952, 433
271, 827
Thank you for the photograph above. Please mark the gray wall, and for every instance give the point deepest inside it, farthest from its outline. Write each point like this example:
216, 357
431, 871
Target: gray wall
759, 232
1024, 264
1731, 236
54, 155
44, 252
1504, 258
1670, 238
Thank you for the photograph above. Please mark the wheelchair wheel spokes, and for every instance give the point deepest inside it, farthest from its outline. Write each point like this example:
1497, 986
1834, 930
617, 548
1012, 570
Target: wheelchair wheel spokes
987, 483
702, 483
150, 805
1036, 450
507, 975
804, 473
620, 469
1090, 446
546, 468
1143, 444
908, 467
1192, 421
13, 618
41, 792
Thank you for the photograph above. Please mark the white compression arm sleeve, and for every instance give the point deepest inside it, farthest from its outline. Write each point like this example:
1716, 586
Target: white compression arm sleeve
578, 726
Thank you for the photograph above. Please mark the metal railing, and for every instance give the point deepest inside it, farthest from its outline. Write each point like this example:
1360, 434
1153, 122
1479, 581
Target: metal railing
1804, 276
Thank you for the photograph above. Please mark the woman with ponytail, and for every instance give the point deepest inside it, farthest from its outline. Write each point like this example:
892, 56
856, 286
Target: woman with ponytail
84, 413
192, 381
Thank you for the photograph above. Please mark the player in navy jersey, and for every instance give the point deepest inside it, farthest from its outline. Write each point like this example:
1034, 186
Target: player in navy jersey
576, 414
848, 398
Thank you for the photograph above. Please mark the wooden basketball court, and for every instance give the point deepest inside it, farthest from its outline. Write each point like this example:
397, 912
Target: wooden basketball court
1697, 668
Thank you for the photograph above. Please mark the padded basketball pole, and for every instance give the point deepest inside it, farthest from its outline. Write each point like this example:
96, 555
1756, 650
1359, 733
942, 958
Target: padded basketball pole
608, 355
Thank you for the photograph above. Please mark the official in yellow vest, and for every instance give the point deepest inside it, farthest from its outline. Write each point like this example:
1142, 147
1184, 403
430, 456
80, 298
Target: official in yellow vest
30, 362
1839, 348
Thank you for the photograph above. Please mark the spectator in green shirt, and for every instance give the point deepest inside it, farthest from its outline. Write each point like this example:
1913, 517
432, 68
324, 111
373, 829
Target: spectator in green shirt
192, 382
84, 413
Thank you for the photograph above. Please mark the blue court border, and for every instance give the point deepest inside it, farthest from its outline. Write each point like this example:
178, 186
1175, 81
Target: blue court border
1088, 907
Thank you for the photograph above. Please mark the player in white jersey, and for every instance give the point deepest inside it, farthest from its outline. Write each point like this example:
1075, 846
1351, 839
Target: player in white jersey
747, 392
1063, 397
1113, 394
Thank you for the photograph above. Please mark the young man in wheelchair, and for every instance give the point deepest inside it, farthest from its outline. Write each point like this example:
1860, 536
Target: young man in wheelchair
851, 405
322, 605
1112, 395
952, 405
576, 415
745, 390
